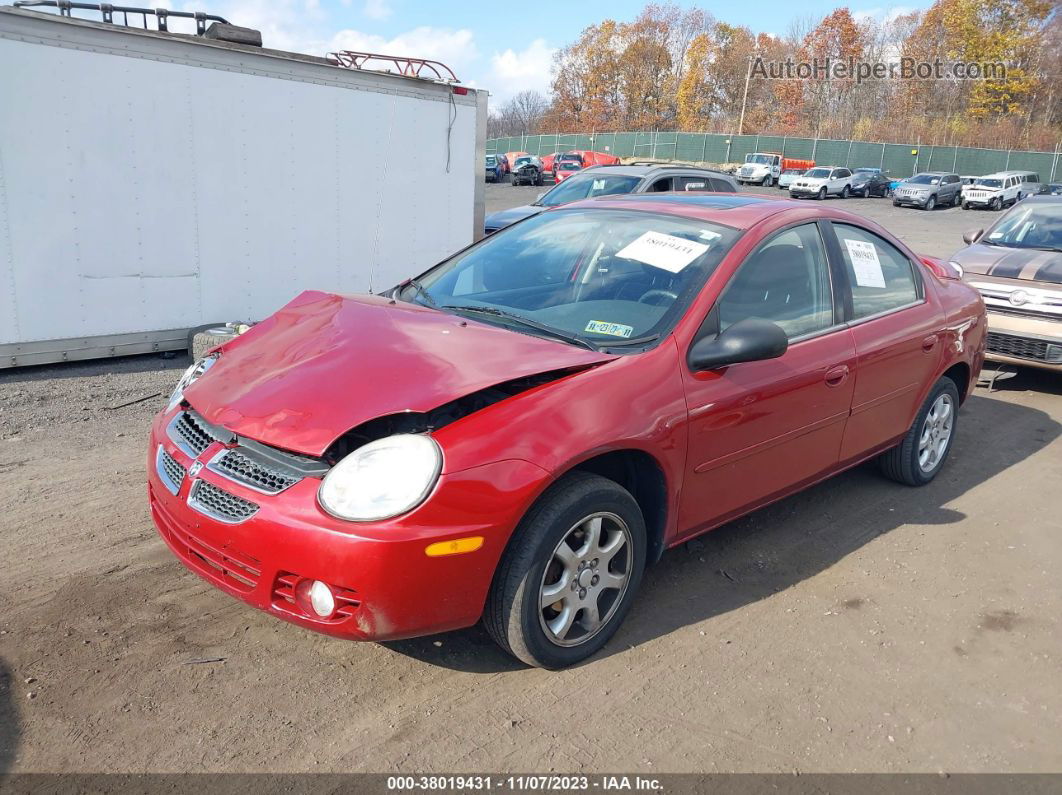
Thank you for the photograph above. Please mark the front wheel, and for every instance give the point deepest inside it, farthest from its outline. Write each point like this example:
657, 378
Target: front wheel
844, 192
768, 181
918, 458
822, 193
931, 202
570, 573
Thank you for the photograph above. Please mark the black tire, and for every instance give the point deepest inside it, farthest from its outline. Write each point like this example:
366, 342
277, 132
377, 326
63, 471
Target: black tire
512, 615
821, 195
203, 341
844, 192
996, 204
966, 205
901, 462
931, 203
895, 203
768, 181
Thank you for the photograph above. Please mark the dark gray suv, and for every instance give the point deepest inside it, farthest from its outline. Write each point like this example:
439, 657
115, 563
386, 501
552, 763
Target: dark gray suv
928, 189
609, 180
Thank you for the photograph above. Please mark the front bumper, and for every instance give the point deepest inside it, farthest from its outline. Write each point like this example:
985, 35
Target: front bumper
804, 190
911, 201
386, 585
1025, 341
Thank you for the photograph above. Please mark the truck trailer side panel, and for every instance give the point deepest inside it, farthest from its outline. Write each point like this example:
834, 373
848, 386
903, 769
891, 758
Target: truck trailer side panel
153, 183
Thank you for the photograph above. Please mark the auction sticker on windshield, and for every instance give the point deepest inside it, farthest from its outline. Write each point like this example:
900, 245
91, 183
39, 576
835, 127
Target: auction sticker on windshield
865, 263
666, 252
615, 329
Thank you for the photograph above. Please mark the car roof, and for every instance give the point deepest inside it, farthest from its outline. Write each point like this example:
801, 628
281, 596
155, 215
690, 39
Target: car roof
1041, 198
645, 170
936, 173
740, 211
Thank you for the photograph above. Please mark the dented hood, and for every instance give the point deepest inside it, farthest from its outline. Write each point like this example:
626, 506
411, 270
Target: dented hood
327, 363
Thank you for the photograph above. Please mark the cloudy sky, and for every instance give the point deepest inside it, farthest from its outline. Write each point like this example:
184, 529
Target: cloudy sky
502, 49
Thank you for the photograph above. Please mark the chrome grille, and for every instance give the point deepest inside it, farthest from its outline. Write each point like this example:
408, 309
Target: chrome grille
259, 475
192, 433
170, 472
219, 504
1024, 348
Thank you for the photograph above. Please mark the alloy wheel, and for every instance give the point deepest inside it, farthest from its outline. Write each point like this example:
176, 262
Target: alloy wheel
585, 579
936, 433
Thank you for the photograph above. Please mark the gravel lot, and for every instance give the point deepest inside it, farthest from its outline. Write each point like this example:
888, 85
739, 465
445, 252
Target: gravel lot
859, 626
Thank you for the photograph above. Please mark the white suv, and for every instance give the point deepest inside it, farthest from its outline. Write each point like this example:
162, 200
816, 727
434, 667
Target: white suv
822, 181
995, 191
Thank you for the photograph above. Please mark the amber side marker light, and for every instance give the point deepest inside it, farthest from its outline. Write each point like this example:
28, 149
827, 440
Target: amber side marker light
457, 546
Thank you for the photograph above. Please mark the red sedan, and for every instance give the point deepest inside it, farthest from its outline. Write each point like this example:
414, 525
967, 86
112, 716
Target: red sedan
565, 169
517, 433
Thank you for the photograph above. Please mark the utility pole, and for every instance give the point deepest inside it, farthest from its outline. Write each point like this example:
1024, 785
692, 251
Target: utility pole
745, 95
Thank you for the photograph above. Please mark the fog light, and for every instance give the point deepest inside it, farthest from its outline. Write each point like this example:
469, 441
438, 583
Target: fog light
324, 604
316, 596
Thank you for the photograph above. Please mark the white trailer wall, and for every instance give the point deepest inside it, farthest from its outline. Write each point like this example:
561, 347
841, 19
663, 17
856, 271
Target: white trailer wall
149, 182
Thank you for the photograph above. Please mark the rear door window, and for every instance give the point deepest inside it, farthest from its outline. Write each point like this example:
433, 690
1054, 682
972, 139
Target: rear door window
721, 185
881, 277
694, 183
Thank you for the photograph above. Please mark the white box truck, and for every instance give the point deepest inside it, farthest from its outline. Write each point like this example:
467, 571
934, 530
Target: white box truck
152, 182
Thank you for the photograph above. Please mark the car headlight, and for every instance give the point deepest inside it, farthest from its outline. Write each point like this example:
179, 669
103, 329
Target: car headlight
382, 479
190, 376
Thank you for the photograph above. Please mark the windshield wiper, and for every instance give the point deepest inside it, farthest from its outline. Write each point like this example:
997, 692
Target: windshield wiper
524, 321
419, 289
631, 342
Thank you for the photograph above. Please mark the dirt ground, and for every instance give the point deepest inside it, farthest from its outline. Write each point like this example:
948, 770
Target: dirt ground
859, 626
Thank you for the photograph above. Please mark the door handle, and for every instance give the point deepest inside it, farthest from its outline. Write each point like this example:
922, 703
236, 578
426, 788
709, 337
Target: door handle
929, 342
836, 376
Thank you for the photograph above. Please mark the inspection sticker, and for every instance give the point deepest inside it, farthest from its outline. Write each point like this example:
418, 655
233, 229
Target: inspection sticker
666, 252
615, 329
865, 263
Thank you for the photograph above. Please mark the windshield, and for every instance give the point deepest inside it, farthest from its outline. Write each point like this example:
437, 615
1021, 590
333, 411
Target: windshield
569, 166
588, 186
492, 160
522, 161
1031, 226
924, 179
792, 171
818, 173
570, 157
990, 183
763, 159
602, 277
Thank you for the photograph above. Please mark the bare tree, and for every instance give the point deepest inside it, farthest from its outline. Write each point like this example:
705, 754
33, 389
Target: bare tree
519, 116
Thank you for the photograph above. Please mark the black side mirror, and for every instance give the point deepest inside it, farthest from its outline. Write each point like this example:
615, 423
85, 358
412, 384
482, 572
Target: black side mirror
971, 236
748, 340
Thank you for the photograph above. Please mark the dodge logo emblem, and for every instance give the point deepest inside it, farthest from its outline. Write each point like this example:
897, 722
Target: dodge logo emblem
195, 469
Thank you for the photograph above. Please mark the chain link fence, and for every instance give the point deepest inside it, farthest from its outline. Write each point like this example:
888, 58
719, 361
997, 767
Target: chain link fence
898, 160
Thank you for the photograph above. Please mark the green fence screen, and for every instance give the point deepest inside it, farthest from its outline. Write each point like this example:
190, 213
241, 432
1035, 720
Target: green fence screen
899, 160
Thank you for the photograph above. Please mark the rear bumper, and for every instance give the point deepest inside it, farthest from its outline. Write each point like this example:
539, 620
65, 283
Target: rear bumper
1025, 341
385, 584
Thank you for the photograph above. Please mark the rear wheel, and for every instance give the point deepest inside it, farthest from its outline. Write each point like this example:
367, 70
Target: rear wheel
570, 574
918, 458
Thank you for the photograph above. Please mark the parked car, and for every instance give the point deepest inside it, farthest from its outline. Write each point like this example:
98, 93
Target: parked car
495, 170
1017, 266
547, 162
999, 190
514, 435
510, 158
927, 190
869, 182
566, 157
606, 180
1050, 189
821, 182
566, 169
785, 179
527, 170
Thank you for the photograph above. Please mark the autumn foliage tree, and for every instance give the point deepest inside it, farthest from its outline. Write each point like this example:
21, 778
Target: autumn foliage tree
675, 68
